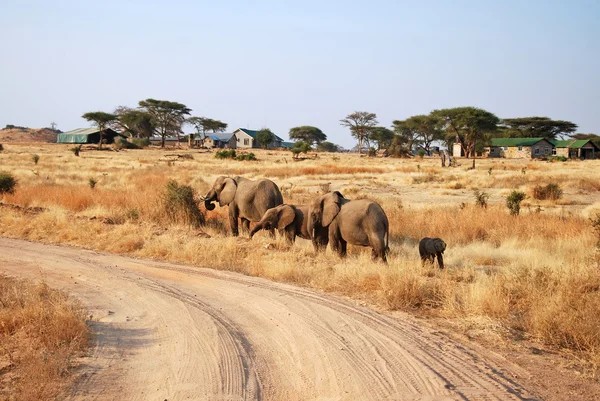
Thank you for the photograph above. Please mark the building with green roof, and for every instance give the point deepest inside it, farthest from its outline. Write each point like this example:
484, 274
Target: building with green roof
246, 138
576, 148
515, 148
88, 135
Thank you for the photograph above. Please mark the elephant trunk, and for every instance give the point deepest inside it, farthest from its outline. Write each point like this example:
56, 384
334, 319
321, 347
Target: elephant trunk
209, 198
256, 229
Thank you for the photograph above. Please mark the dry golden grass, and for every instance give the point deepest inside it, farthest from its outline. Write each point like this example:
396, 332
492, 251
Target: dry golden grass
535, 275
41, 330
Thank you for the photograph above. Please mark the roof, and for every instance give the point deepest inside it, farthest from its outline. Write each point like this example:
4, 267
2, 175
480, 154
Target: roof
287, 144
571, 143
80, 135
224, 137
85, 131
253, 133
514, 141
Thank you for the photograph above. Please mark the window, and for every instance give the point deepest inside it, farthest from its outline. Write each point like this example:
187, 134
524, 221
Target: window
546, 151
246, 141
505, 148
520, 147
554, 151
536, 151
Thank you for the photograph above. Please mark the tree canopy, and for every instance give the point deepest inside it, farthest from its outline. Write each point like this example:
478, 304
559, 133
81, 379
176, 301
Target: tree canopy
204, 125
382, 136
593, 137
167, 116
265, 136
300, 147
406, 137
360, 124
468, 125
102, 120
137, 123
327, 147
536, 127
425, 129
308, 134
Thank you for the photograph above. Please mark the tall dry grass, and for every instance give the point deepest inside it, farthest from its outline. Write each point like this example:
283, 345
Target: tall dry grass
41, 331
535, 275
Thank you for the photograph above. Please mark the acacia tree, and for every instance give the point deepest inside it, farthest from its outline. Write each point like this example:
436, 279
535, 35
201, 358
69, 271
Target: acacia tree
167, 116
135, 122
308, 134
328, 147
406, 137
102, 120
382, 136
360, 124
265, 136
204, 125
426, 128
468, 125
536, 127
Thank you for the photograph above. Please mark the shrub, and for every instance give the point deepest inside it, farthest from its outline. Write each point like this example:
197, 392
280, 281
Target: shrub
8, 183
76, 150
246, 156
141, 142
181, 205
225, 154
372, 152
421, 153
92, 183
513, 202
550, 191
123, 143
481, 198
35, 158
558, 159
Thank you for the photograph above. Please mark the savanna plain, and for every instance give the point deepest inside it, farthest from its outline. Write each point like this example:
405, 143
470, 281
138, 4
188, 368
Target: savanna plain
531, 277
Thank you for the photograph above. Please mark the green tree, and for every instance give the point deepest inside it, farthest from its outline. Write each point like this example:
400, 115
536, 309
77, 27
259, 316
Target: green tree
360, 124
167, 116
137, 123
204, 125
425, 129
327, 147
468, 125
536, 127
102, 120
308, 134
406, 138
300, 147
399, 147
382, 136
265, 137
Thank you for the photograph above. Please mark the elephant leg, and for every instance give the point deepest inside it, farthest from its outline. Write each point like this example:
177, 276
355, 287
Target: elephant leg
440, 259
378, 247
290, 236
233, 221
272, 233
245, 225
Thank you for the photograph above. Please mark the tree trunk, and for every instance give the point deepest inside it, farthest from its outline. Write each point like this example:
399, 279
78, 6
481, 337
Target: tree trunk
101, 135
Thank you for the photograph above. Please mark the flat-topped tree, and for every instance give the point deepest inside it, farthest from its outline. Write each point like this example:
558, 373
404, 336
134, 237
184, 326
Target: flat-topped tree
469, 125
536, 127
360, 124
137, 123
102, 120
382, 136
307, 133
167, 116
426, 129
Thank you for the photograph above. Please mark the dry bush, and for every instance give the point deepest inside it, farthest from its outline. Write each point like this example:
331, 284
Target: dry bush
550, 192
41, 331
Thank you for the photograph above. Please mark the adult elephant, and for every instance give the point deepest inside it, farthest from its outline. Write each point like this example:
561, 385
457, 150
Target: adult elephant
248, 200
358, 222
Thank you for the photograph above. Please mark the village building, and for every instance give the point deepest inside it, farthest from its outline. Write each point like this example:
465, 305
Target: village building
576, 149
534, 148
218, 140
88, 135
244, 138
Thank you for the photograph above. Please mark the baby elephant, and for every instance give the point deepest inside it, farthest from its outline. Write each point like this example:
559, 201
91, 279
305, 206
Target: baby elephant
429, 248
289, 220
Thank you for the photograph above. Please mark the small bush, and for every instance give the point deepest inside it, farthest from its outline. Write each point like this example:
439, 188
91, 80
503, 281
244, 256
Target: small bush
481, 198
513, 202
76, 150
421, 153
35, 158
225, 154
123, 143
181, 205
92, 183
8, 183
141, 142
558, 159
246, 156
550, 191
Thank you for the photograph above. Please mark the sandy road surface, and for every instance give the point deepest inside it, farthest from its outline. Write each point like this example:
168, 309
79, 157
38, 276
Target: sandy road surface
166, 331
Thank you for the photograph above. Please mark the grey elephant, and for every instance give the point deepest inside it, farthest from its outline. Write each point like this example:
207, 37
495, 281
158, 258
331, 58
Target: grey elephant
358, 222
289, 220
248, 200
429, 248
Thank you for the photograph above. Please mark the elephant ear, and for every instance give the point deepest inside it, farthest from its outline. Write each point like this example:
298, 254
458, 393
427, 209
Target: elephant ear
228, 192
331, 207
286, 216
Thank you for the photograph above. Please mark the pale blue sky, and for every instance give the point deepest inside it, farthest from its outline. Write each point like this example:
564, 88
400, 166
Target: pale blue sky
282, 64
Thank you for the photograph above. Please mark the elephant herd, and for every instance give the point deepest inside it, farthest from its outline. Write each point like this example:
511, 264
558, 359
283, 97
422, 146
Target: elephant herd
329, 219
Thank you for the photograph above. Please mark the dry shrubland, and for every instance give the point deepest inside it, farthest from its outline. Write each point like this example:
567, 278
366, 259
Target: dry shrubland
41, 331
535, 275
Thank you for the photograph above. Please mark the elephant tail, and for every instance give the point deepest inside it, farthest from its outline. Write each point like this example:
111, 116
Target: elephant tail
387, 242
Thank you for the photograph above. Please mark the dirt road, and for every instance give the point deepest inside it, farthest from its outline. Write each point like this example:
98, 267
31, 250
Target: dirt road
171, 332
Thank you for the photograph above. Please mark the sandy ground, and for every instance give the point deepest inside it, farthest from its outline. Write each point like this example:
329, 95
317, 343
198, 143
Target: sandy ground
170, 332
